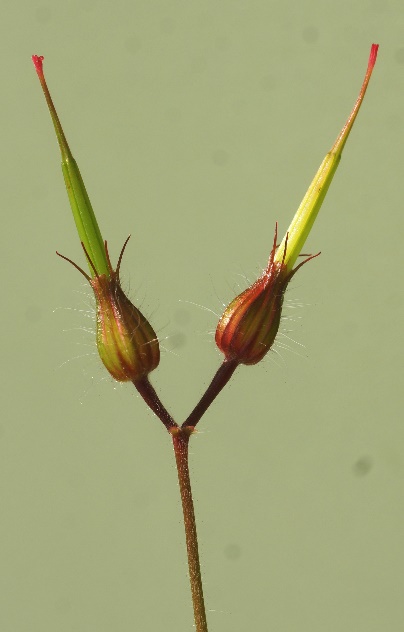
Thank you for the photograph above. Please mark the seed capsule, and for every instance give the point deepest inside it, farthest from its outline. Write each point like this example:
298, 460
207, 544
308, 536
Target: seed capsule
249, 324
126, 342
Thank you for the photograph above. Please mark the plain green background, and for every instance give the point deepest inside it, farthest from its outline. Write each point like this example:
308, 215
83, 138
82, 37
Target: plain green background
196, 126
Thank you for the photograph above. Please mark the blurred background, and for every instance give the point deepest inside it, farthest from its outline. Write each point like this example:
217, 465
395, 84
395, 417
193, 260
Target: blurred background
197, 126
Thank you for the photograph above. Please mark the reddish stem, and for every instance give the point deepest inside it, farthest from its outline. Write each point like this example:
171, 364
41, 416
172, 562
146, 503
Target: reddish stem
151, 398
180, 442
222, 376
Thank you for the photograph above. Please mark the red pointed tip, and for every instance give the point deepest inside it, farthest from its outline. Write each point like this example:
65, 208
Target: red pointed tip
38, 59
373, 55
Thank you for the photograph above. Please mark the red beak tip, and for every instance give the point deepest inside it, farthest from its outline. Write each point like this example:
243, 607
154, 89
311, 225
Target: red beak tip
38, 59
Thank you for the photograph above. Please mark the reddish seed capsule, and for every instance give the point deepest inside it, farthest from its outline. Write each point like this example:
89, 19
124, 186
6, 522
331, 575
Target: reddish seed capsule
126, 342
249, 324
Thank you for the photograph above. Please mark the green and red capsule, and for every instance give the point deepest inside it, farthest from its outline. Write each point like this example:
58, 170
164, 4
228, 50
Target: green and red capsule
126, 342
249, 324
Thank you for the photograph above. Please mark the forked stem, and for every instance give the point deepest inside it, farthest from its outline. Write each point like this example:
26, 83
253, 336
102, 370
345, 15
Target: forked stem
180, 442
180, 438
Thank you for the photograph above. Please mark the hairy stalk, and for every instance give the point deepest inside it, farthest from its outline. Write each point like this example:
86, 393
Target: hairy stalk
146, 390
180, 442
222, 376
180, 438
